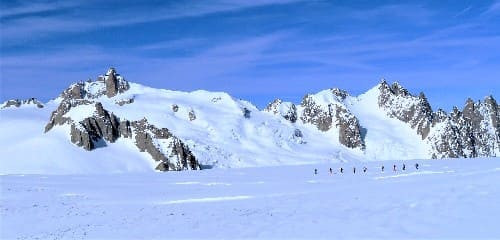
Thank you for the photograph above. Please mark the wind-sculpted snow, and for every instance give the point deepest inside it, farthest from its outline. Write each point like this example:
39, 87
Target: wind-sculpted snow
446, 199
174, 130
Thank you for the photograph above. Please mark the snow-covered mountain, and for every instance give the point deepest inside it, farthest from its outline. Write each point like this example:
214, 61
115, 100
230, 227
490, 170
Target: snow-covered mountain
112, 125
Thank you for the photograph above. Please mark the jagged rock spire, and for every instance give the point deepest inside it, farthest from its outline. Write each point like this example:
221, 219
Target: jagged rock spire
114, 83
418, 113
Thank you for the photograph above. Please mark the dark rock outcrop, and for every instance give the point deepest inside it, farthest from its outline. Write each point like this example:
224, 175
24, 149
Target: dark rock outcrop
178, 156
115, 84
286, 110
335, 112
472, 132
124, 129
74, 91
122, 102
349, 129
246, 112
102, 125
175, 107
192, 115
481, 126
313, 113
110, 85
57, 117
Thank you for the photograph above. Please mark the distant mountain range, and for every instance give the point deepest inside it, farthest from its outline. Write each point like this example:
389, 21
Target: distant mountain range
115, 125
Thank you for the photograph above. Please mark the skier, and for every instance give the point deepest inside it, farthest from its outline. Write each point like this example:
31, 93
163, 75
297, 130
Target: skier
331, 171
404, 167
416, 166
394, 167
315, 171
364, 169
354, 170
341, 170
382, 168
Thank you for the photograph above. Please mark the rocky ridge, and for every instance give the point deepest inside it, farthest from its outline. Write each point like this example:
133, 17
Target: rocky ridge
90, 110
18, 103
471, 132
101, 126
326, 112
399, 103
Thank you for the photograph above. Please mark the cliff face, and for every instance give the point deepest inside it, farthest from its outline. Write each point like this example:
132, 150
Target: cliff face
327, 110
400, 104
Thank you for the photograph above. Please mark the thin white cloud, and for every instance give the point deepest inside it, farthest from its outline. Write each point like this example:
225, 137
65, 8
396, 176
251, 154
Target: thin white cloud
464, 11
31, 27
414, 13
34, 27
37, 7
203, 67
176, 44
493, 9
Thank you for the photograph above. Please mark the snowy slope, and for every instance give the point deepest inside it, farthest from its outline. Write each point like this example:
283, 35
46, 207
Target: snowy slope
221, 134
386, 137
446, 199
128, 127
27, 149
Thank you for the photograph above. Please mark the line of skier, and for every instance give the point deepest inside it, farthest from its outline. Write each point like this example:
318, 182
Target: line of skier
365, 169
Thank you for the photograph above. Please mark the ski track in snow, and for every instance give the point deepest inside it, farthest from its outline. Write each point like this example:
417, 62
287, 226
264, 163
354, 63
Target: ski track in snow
413, 174
443, 199
205, 184
207, 199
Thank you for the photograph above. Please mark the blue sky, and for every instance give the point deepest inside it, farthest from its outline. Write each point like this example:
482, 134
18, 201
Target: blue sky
256, 50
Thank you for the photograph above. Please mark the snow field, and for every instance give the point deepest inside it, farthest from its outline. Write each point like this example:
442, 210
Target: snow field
455, 198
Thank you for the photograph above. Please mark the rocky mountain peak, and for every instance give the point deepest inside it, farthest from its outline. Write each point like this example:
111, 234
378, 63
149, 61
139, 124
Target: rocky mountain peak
472, 132
86, 113
490, 102
115, 83
111, 72
339, 93
326, 110
109, 84
399, 103
398, 89
383, 81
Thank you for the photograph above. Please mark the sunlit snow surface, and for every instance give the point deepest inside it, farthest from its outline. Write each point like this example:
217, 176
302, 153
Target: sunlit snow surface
443, 199
220, 136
